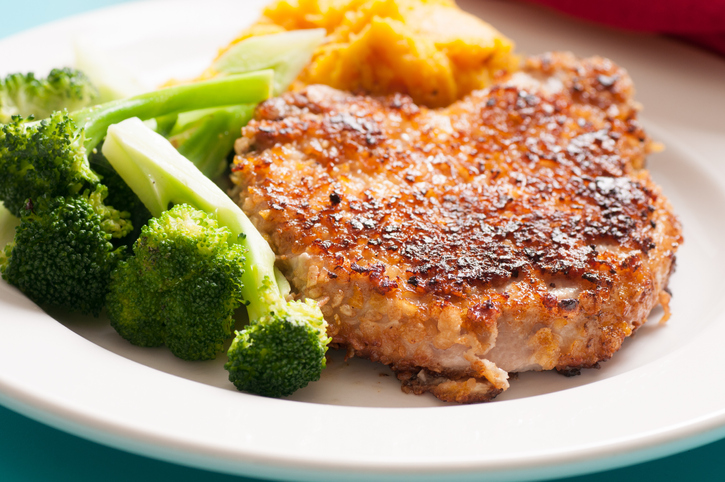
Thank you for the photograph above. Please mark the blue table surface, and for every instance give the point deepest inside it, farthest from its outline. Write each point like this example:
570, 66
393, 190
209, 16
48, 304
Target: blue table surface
31, 451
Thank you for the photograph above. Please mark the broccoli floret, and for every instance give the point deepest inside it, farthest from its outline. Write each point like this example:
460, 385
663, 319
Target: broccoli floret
180, 287
25, 95
42, 159
62, 253
283, 348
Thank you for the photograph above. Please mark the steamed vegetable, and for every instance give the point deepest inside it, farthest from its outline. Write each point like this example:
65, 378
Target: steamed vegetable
283, 347
180, 287
26, 95
50, 156
206, 138
62, 253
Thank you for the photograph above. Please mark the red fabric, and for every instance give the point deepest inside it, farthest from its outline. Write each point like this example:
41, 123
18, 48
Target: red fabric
700, 21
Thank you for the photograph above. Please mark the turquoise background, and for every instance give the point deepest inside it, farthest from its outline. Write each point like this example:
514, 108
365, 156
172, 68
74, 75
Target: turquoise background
31, 451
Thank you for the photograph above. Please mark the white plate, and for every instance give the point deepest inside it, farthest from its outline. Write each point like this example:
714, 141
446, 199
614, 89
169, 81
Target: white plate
661, 394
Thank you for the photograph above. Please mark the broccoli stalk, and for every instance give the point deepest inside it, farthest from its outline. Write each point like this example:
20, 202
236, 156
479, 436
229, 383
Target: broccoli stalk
45, 177
8, 223
286, 53
206, 138
283, 347
248, 88
26, 95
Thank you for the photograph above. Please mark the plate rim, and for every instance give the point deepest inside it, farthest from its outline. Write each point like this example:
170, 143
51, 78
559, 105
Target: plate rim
69, 417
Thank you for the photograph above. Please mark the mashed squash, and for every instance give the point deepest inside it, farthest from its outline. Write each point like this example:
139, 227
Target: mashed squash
429, 49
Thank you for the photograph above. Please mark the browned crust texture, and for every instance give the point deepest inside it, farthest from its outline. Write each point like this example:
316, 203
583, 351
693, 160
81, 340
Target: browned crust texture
514, 230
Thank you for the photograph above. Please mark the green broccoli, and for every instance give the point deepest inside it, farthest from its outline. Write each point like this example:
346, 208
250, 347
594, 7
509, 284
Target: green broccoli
50, 156
206, 138
119, 194
286, 53
42, 159
48, 160
283, 347
8, 223
25, 95
181, 286
62, 253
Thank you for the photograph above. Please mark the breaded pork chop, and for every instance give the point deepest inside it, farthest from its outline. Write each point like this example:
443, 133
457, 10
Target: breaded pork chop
514, 230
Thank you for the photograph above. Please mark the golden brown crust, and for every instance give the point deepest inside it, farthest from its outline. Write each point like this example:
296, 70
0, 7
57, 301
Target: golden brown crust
448, 387
513, 230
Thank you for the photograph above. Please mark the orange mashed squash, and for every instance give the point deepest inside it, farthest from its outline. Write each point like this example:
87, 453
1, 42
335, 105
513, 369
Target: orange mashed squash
428, 49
